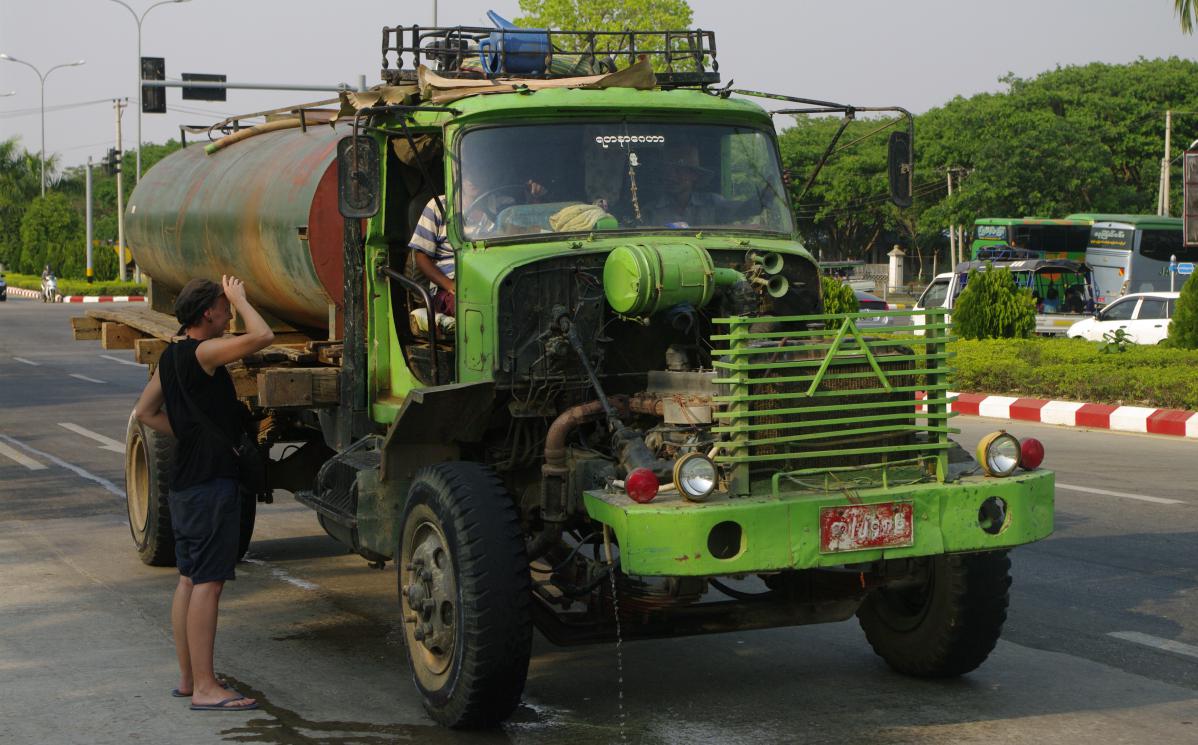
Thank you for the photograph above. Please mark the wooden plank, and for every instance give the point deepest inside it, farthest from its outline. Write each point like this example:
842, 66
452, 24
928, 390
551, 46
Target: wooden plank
245, 381
85, 328
289, 347
301, 386
138, 316
118, 336
148, 351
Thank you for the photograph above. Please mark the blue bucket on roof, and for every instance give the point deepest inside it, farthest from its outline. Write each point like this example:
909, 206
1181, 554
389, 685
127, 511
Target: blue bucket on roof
512, 49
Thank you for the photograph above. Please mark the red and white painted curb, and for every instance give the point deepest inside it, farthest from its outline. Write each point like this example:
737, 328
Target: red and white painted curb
35, 294
103, 299
1073, 414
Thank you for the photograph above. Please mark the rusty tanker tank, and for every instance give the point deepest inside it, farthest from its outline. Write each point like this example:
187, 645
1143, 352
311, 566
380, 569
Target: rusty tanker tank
263, 209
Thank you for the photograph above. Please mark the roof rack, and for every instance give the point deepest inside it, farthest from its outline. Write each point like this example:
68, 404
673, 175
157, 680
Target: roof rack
680, 58
1007, 253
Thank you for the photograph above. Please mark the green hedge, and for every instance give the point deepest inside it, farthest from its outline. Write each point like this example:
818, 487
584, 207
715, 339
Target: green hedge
1075, 370
77, 286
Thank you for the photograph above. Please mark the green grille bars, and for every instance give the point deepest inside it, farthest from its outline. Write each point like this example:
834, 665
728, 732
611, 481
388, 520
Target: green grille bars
830, 401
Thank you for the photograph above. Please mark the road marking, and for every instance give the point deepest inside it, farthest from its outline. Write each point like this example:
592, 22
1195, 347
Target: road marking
106, 443
21, 458
1148, 640
118, 359
1125, 495
84, 377
27, 362
105, 483
303, 584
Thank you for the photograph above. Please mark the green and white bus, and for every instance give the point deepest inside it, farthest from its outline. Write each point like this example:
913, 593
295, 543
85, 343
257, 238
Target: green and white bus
1042, 237
1131, 253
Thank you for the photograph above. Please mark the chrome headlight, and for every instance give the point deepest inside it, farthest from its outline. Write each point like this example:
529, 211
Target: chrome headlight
999, 453
696, 476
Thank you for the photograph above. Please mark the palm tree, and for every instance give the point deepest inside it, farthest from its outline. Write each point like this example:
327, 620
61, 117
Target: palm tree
1188, 10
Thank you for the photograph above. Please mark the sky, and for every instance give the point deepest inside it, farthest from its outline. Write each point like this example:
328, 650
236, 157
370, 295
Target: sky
917, 54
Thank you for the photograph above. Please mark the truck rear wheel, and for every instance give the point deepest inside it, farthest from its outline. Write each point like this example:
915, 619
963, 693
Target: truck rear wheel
249, 515
464, 595
945, 626
147, 485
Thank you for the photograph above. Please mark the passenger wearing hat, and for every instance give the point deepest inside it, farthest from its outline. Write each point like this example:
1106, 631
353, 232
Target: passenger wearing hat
680, 205
204, 492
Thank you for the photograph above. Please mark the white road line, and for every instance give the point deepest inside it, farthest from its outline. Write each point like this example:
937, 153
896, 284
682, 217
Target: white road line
106, 443
27, 362
21, 458
118, 359
84, 377
280, 574
1148, 640
105, 483
1125, 495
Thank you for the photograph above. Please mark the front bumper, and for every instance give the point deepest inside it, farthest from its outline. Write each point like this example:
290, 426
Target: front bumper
669, 536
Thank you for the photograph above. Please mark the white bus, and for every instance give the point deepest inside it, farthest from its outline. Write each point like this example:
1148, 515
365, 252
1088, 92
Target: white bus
1132, 253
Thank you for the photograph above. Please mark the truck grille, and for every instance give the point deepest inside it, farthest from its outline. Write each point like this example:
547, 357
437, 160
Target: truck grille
826, 397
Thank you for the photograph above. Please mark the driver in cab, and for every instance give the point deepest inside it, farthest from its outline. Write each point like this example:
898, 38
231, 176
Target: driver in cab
681, 205
434, 255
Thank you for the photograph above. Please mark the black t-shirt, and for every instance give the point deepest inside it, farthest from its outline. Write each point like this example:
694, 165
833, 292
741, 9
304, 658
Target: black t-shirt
200, 455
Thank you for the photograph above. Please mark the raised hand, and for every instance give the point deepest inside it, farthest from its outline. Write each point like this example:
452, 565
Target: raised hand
234, 288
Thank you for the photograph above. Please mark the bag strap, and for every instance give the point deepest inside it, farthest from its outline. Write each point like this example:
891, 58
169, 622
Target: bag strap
203, 418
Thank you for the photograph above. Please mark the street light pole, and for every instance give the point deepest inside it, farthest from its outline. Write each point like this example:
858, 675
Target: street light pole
139, 19
42, 78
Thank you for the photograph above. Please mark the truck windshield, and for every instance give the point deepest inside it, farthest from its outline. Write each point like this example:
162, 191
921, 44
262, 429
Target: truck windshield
566, 178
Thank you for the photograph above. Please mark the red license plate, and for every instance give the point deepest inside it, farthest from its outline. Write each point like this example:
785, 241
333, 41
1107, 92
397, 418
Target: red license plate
862, 526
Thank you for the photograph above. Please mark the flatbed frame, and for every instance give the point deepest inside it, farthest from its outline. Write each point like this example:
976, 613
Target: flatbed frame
295, 371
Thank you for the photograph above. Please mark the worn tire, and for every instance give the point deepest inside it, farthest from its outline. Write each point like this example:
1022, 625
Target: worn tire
460, 522
948, 626
249, 515
147, 486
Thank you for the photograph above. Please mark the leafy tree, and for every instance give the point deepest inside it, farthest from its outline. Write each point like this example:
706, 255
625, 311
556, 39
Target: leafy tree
19, 185
50, 234
838, 297
992, 307
605, 15
1187, 10
1183, 329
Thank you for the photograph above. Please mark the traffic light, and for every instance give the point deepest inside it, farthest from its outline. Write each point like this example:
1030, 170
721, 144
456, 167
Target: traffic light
112, 161
153, 100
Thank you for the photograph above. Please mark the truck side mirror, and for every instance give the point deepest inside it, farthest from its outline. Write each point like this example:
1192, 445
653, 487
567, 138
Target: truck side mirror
901, 168
358, 181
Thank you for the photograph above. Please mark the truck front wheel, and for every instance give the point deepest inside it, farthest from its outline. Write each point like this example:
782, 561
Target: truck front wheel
147, 485
464, 595
945, 625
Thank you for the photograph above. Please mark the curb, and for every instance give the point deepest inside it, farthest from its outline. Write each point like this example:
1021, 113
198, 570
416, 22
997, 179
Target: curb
1141, 419
103, 299
35, 294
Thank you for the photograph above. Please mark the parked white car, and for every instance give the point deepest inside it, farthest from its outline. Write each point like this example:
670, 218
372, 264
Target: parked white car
1144, 316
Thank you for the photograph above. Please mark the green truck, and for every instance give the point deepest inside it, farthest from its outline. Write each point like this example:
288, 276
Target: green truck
637, 419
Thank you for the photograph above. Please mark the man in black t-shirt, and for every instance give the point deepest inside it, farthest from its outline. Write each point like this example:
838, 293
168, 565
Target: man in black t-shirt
191, 398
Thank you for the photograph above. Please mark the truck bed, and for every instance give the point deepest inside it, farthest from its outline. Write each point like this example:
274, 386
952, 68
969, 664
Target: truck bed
295, 371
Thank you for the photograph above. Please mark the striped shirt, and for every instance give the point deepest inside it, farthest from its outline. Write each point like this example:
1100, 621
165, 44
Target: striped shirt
430, 239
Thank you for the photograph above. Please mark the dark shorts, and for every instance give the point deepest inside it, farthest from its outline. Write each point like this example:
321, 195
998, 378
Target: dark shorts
206, 519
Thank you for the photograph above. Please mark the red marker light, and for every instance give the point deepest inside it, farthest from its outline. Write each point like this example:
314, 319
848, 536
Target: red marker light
641, 485
1031, 454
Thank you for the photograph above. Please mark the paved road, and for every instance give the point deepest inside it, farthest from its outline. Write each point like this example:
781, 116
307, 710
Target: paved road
1100, 645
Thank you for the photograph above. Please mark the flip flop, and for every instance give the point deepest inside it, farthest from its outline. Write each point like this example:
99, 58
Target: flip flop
179, 694
223, 705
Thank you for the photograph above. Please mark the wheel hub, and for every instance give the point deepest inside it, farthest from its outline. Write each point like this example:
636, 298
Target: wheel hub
430, 594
